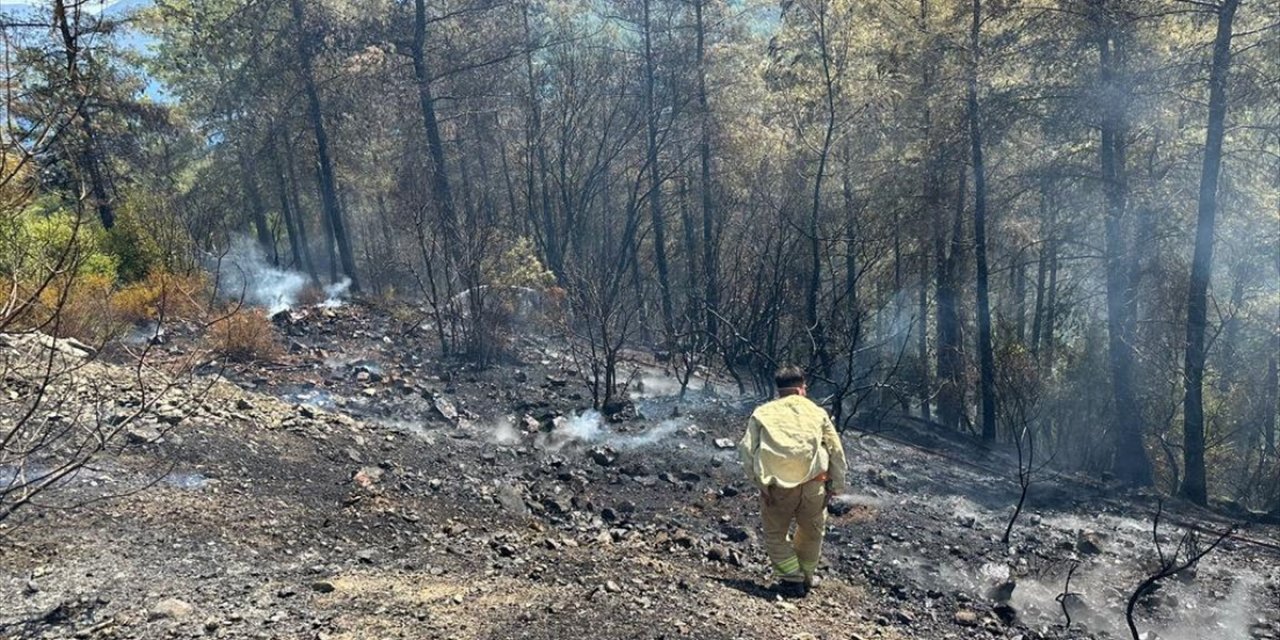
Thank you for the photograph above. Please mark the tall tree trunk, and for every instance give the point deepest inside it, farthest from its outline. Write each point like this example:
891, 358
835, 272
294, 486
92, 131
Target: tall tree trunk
1042, 270
710, 254
1194, 486
90, 156
950, 356
655, 176
851, 255
815, 211
257, 210
922, 339
328, 181
1271, 395
1131, 463
291, 207
986, 357
441, 194
1047, 341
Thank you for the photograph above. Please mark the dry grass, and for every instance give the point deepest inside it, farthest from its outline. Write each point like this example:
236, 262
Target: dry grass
244, 335
162, 295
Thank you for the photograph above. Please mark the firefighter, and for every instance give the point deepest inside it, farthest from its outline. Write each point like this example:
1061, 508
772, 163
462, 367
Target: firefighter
792, 453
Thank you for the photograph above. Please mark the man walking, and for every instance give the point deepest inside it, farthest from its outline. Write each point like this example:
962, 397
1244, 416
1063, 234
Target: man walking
792, 453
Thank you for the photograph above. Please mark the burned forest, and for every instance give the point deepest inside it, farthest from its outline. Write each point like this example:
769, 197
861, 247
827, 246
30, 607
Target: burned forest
348, 319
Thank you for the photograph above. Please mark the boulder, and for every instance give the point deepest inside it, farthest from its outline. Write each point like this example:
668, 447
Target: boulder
171, 609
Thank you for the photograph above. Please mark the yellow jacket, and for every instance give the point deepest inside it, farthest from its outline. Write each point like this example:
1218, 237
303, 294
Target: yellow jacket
791, 441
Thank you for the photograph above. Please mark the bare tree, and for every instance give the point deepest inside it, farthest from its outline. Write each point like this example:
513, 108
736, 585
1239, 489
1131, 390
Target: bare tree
1188, 552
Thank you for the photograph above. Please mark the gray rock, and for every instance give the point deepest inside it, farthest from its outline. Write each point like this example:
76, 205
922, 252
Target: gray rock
445, 408
1089, 543
143, 434
171, 609
965, 618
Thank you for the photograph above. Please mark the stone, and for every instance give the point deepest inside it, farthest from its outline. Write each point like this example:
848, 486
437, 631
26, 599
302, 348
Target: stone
965, 618
604, 456
367, 477
143, 434
171, 609
323, 586
446, 409
1089, 543
718, 553
725, 443
1002, 592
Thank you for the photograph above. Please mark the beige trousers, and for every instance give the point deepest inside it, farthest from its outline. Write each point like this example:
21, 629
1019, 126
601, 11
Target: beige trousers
794, 556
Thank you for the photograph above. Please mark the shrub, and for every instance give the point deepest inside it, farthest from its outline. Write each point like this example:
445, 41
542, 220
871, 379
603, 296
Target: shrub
244, 335
75, 307
160, 295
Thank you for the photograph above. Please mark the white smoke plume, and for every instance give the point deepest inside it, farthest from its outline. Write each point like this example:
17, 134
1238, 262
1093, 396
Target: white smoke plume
245, 273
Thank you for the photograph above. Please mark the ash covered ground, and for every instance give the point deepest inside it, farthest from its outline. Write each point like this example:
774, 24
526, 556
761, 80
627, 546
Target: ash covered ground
364, 488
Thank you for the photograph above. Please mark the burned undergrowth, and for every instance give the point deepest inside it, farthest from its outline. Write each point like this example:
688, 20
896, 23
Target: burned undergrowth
361, 486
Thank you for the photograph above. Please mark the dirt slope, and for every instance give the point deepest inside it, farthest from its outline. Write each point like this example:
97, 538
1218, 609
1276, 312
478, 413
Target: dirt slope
339, 496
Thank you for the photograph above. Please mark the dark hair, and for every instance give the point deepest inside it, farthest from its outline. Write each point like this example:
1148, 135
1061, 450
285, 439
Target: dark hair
789, 377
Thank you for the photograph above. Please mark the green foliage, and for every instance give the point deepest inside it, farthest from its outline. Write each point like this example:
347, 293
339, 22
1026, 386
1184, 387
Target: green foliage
136, 250
46, 237
519, 266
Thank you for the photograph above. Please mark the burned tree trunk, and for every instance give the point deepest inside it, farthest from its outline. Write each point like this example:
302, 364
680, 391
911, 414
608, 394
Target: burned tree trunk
257, 210
710, 257
1131, 463
655, 176
1193, 482
328, 181
986, 358
950, 356
441, 194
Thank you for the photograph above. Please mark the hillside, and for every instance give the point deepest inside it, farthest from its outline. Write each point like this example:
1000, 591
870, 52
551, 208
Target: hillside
359, 489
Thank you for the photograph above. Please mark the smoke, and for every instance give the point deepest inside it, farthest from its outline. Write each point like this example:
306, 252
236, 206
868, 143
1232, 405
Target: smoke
245, 273
333, 293
505, 432
590, 427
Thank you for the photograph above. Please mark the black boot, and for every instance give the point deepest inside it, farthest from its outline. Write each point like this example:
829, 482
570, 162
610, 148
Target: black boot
790, 589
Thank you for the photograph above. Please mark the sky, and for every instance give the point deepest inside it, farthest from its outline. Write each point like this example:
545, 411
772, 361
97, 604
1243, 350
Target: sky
93, 5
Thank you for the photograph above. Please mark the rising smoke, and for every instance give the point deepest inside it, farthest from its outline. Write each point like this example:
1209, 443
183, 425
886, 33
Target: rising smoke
244, 273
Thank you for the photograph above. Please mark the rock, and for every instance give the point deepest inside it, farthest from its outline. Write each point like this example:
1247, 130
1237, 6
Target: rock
734, 533
604, 456
618, 410
718, 553
323, 586
839, 507
612, 587
1002, 592
965, 618
904, 616
367, 556
445, 408
143, 434
1089, 543
725, 443
1006, 613
511, 500
171, 609
367, 477
557, 505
